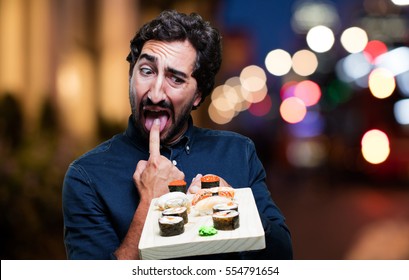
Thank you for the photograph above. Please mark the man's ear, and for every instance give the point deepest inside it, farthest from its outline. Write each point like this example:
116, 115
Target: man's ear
197, 100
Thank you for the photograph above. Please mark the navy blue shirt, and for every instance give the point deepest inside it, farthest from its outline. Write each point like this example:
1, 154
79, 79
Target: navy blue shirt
100, 198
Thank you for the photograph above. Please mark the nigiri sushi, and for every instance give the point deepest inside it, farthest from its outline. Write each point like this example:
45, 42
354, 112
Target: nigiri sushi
205, 206
177, 186
210, 181
216, 191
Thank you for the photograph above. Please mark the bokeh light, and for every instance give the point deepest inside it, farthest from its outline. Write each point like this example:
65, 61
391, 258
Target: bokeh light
354, 39
375, 146
337, 92
253, 78
306, 153
396, 60
242, 95
374, 49
401, 111
278, 62
381, 83
402, 81
353, 67
261, 108
308, 91
311, 126
224, 98
320, 39
287, 89
308, 14
293, 110
304, 62
218, 116
256, 96
400, 2
68, 81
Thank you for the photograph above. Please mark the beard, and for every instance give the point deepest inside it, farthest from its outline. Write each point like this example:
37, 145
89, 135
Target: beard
178, 123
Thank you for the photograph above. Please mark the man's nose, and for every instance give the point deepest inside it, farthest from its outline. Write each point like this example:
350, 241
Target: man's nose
157, 91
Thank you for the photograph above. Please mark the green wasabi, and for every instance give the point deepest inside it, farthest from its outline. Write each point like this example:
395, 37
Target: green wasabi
207, 231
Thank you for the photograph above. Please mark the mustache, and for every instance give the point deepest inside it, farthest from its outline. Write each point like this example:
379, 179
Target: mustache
163, 104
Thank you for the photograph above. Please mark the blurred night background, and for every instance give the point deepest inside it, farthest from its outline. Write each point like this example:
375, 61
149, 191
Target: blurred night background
321, 86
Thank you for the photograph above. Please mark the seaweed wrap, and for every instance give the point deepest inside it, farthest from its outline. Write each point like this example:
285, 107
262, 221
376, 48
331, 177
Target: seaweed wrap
177, 212
177, 186
209, 181
170, 225
226, 220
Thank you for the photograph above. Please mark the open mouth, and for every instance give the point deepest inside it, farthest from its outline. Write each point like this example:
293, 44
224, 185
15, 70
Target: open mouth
150, 114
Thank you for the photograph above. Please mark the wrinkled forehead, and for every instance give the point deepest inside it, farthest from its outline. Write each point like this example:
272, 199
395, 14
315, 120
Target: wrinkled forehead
178, 54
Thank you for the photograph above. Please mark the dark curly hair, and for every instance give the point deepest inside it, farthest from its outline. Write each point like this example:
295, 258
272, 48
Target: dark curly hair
173, 26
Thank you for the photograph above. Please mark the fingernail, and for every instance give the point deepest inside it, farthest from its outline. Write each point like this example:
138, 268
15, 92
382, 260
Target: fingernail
156, 121
197, 176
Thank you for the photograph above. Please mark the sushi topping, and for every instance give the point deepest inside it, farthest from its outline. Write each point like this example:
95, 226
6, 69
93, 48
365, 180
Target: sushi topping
209, 178
178, 183
229, 204
174, 210
172, 199
170, 219
227, 213
216, 191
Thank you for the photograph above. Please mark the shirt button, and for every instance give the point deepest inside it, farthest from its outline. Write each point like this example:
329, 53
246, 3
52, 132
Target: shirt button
174, 162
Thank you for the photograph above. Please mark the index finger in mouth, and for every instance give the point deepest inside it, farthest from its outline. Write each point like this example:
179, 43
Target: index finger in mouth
154, 139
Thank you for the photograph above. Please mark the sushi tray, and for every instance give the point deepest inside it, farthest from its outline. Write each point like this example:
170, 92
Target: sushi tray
249, 235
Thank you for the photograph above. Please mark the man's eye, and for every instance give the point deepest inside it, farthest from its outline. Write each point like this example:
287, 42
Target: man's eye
146, 70
177, 80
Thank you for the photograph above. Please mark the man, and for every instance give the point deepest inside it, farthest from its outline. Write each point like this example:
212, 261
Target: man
107, 191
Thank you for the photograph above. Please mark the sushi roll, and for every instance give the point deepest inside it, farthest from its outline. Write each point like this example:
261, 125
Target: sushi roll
177, 212
210, 181
225, 206
226, 220
170, 226
177, 186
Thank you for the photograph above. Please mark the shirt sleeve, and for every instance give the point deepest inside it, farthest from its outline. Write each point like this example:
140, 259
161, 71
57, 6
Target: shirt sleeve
88, 232
277, 234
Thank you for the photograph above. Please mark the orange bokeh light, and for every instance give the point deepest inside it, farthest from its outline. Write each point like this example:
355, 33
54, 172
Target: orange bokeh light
293, 110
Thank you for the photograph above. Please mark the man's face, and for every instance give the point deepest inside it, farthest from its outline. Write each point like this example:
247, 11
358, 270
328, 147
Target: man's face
162, 87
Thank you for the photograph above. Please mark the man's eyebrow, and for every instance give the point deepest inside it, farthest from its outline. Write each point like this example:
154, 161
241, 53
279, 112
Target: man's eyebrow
174, 71
177, 72
148, 57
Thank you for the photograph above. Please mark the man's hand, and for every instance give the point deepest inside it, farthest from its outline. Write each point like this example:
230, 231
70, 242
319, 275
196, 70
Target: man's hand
152, 177
196, 184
